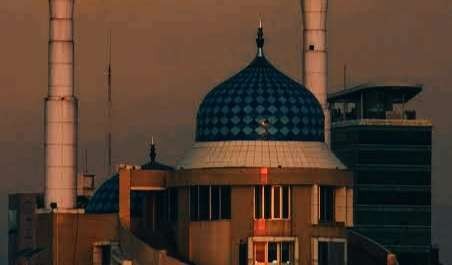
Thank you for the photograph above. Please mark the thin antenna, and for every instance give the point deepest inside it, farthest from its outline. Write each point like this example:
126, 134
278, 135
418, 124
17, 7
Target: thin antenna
109, 108
345, 76
85, 170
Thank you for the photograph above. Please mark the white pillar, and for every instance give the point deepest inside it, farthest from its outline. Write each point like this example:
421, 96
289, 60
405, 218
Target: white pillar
315, 53
61, 110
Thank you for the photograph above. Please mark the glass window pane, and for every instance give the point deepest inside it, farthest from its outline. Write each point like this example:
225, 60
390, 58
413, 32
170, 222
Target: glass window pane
194, 210
173, 204
272, 252
267, 202
285, 203
204, 203
323, 253
276, 202
326, 204
258, 202
260, 251
285, 253
215, 200
336, 255
225, 202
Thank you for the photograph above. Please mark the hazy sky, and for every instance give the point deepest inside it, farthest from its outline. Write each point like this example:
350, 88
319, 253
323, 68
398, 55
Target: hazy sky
168, 54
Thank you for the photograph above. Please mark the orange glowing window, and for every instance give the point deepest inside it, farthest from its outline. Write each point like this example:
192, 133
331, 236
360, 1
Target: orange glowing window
259, 249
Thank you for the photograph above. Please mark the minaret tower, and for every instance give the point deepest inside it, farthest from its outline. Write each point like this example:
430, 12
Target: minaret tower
61, 110
315, 53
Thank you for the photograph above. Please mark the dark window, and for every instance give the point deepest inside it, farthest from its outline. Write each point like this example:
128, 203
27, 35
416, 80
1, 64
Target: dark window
173, 204
286, 199
225, 202
285, 253
204, 202
106, 255
258, 202
215, 193
271, 202
326, 204
398, 177
210, 203
331, 253
267, 201
311, 47
393, 197
272, 252
277, 202
194, 209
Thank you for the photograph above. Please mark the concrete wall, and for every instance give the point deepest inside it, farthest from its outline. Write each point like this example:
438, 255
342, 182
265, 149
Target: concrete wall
68, 237
140, 253
210, 242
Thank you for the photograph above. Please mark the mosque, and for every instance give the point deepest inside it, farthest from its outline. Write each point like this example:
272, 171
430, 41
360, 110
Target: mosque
260, 184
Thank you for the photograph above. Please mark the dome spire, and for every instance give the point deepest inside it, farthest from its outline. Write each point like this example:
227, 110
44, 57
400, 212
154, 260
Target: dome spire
152, 153
260, 39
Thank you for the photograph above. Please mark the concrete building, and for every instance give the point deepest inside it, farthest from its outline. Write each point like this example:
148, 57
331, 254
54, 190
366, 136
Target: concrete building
389, 150
259, 186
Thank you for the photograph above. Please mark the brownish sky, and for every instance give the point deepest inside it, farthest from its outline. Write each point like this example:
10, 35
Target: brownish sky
167, 54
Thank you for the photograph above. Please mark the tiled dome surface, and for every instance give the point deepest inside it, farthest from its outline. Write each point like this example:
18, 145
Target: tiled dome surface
260, 103
106, 198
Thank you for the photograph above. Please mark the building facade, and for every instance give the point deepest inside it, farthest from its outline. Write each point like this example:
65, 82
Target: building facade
389, 150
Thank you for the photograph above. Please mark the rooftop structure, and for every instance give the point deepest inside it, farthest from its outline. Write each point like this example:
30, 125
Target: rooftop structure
389, 150
375, 103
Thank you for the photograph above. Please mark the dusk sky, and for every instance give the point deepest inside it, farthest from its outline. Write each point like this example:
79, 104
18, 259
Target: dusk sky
168, 54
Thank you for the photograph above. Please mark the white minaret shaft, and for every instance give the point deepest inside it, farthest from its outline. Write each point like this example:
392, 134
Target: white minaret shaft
315, 53
61, 110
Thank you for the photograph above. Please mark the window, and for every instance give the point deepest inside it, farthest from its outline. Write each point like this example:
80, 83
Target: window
311, 47
331, 253
172, 204
326, 211
106, 255
271, 202
210, 203
274, 252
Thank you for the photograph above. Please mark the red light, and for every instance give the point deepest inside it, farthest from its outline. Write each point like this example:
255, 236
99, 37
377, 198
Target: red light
259, 227
264, 175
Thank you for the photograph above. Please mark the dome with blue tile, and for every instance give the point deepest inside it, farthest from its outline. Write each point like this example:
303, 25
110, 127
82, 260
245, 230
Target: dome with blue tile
260, 103
106, 197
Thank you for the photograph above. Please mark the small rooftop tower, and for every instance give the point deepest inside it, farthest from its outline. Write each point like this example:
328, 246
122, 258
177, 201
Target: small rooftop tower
315, 53
61, 110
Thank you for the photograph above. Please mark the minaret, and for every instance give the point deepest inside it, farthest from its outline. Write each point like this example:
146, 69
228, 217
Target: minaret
315, 53
61, 110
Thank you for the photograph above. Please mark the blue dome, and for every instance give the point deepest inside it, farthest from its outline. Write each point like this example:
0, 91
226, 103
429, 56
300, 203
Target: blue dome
106, 199
260, 103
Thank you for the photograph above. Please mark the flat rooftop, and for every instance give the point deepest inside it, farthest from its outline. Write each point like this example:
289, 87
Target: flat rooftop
399, 92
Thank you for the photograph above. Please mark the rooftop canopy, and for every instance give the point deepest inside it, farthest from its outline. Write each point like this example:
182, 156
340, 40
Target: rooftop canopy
398, 93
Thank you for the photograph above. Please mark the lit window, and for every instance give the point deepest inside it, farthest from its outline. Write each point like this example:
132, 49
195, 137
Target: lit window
274, 252
271, 202
210, 203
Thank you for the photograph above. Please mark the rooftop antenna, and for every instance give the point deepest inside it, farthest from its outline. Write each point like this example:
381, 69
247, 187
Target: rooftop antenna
109, 109
345, 76
85, 169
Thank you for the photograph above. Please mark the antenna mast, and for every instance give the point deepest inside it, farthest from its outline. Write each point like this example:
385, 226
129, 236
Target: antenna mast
109, 110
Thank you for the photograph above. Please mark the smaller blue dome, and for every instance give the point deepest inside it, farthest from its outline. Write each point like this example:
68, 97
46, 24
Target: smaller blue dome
106, 199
